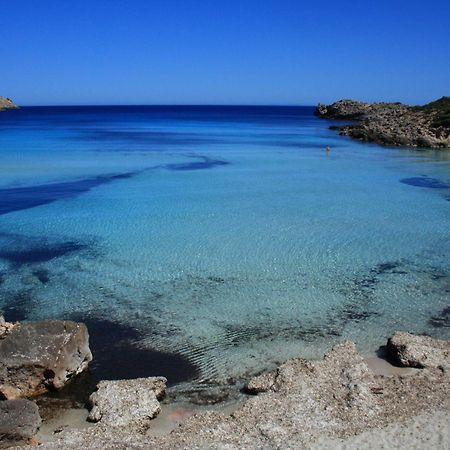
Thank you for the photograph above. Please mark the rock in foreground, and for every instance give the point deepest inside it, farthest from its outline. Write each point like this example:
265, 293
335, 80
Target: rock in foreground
6, 103
393, 123
299, 403
38, 356
19, 421
127, 402
410, 350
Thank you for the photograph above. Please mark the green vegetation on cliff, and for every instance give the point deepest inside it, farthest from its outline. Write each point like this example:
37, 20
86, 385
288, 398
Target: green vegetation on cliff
442, 109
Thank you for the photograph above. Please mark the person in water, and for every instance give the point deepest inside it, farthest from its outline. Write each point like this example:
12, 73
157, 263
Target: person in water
328, 149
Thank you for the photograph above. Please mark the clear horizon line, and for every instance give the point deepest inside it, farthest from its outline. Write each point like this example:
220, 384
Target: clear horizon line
274, 105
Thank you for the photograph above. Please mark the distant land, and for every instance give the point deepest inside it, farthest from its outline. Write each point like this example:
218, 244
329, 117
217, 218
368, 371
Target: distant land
394, 124
6, 103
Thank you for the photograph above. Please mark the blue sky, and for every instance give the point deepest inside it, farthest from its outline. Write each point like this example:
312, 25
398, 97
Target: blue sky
223, 52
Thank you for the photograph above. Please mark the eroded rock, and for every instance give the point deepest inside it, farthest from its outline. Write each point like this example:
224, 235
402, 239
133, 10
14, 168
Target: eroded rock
410, 350
38, 356
127, 402
19, 421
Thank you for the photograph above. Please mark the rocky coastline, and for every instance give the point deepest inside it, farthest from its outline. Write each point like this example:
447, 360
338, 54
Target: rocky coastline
339, 401
392, 124
7, 103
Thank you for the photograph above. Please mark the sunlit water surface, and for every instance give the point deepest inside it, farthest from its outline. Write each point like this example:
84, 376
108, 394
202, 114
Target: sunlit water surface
223, 238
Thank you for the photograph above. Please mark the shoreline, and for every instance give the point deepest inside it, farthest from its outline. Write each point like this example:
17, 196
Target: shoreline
301, 403
339, 399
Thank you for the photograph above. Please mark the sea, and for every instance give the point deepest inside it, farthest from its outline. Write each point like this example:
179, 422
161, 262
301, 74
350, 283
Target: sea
209, 243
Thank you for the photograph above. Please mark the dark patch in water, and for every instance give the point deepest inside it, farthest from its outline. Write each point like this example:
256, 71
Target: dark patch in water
218, 280
145, 137
355, 316
19, 198
117, 355
42, 275
383, 268
40, 253
426, 182
441, 321
207, 163
18, 306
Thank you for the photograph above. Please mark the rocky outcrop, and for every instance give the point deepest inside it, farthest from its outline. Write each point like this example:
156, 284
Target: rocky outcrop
38, 356
19, 421
392, 124
410, 350
127, 402
6, 103
298, 403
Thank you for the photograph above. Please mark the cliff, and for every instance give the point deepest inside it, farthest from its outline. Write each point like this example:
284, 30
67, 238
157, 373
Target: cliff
6, 103
392, 124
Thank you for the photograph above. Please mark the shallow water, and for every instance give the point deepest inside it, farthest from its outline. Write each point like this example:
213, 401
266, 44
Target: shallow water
219, 240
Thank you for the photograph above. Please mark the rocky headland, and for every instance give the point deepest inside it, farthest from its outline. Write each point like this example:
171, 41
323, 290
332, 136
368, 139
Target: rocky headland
340, 401
7, 103
393, 124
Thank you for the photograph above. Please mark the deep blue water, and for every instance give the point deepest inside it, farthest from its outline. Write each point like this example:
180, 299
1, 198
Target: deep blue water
218, 240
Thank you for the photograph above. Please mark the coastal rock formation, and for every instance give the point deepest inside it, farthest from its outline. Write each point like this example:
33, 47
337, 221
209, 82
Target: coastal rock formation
410, 350
6, 103
304, 403
393, 124
127, 402
35, 357
19, 421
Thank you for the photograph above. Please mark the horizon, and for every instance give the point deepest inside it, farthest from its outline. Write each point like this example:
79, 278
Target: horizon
223, 53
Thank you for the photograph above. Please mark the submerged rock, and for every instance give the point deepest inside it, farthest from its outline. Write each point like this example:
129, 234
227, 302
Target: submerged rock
410, 350
36, 357
19, 421
127, 402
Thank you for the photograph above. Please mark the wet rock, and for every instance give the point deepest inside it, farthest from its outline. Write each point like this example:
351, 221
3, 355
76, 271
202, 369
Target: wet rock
19, 421
418, 351
127, 402
39, 356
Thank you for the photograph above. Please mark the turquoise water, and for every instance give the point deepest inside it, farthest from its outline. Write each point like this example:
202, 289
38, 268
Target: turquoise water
225, 235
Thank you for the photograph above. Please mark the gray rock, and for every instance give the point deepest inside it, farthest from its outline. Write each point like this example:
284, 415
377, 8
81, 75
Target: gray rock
19, 420
38, 356
410, 350
127, 402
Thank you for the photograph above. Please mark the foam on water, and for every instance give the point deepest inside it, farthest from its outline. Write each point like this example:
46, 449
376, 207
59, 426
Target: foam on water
225, 236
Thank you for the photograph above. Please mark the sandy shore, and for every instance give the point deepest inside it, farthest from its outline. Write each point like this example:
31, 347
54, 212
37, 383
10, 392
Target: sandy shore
425, 431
